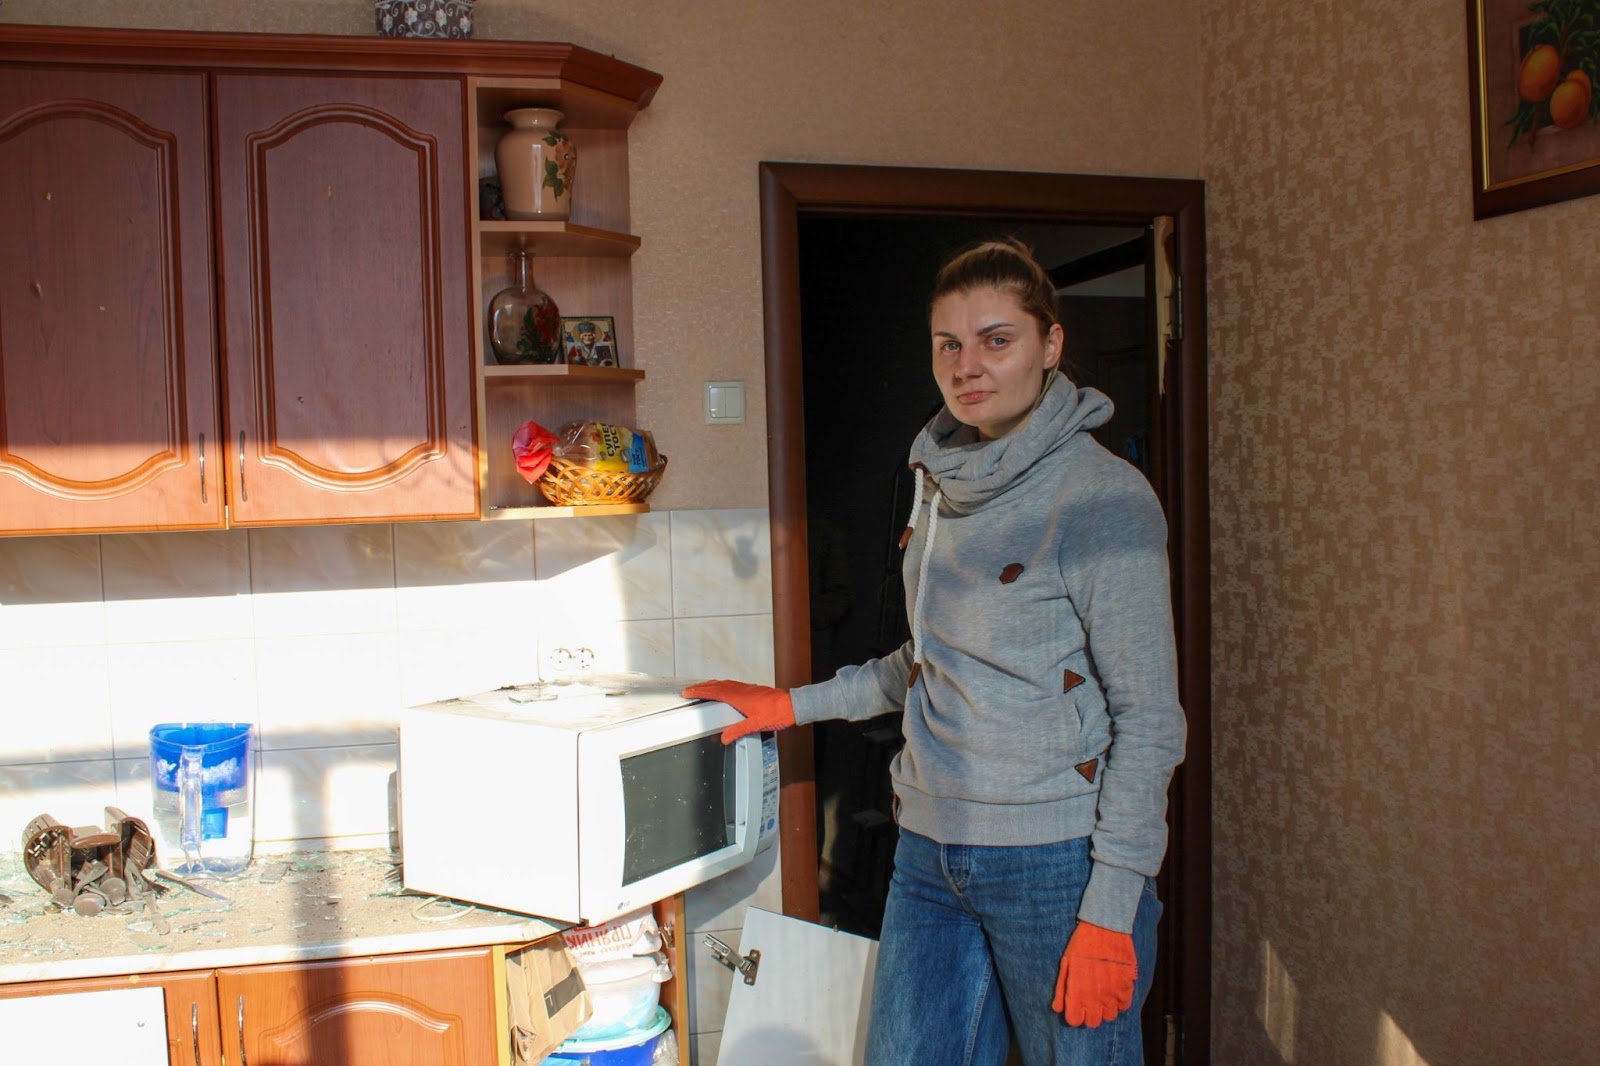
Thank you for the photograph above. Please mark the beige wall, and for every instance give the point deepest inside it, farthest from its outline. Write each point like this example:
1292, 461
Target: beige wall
1404, 486
1073, 86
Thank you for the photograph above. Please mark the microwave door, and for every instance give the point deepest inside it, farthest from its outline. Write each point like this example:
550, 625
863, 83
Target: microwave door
666, 806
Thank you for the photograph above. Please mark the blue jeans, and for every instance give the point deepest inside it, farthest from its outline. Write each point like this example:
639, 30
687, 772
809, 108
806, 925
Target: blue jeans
972, 942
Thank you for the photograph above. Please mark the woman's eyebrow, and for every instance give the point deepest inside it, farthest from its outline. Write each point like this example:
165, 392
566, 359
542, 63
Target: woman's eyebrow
991, 327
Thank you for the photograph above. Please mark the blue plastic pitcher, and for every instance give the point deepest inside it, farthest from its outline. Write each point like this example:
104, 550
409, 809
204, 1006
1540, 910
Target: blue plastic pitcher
202, 777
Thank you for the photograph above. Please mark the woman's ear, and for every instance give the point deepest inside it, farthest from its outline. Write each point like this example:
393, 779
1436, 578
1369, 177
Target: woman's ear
1054, 340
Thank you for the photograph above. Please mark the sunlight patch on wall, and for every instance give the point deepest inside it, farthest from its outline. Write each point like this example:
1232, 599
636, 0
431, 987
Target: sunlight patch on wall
1280, 1002
1394, 1047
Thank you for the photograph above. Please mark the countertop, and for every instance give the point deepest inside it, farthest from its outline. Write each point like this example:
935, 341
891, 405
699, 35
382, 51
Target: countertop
328, 905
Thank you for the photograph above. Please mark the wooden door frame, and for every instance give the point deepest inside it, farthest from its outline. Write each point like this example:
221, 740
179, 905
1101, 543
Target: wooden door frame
787, 190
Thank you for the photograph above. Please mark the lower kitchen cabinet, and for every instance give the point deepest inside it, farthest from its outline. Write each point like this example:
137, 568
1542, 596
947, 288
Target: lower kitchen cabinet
433, 1009
430, 1009
193, 1036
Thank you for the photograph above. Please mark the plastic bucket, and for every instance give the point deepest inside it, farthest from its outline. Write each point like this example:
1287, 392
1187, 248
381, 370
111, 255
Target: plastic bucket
631, 1049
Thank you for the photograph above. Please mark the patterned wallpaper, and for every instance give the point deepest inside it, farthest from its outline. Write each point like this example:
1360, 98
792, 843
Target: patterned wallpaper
1406, 562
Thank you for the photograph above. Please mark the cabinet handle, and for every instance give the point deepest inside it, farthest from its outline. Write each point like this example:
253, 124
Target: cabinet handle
194, 1030
242, 1061
243, 495
202, 468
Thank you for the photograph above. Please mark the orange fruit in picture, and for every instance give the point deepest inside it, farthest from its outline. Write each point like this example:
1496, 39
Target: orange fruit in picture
1540, 73
1582, 79
1569, 104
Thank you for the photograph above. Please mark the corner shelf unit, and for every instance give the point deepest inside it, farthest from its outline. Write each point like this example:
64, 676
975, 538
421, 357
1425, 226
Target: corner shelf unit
584, 263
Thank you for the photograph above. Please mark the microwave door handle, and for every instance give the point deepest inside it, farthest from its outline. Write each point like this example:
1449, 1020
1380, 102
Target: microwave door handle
750, 782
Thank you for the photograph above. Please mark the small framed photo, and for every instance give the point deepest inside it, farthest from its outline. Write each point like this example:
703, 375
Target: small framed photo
590, 340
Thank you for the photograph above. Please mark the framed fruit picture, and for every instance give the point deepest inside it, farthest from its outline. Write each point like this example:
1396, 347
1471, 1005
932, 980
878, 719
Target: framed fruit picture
1534, 65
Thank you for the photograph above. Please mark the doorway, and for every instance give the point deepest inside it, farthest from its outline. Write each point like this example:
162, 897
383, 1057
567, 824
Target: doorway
921, 215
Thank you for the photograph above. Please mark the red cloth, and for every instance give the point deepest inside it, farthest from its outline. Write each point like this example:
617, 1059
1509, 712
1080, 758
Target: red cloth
1098, 970
533, 446
763, 708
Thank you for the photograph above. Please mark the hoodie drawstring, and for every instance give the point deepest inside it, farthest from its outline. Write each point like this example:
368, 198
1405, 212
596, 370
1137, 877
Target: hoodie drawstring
922, 568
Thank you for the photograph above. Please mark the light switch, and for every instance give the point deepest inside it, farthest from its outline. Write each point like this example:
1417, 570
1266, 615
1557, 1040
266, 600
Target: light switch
724, 402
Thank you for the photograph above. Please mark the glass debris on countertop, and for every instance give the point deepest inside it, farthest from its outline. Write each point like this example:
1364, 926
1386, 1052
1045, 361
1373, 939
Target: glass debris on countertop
312, 902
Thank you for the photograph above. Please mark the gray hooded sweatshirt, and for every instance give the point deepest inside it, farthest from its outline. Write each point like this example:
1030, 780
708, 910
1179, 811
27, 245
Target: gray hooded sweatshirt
1040, 683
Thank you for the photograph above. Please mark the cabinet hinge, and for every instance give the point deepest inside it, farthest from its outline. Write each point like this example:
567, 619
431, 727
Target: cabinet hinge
745, 965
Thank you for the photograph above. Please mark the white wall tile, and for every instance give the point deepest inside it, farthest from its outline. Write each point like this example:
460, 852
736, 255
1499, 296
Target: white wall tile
704, 1048
73, 793
325, 792
54, 705
306, 794
177, 586
331, 690
614, 567
721, 562
739, 648
443, 664
193, 681
710, 982
721, 902
618, 647
323, 579
50, 592
451, 574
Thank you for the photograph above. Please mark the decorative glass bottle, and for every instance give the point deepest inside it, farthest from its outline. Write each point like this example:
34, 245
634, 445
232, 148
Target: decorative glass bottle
524, 323
536, 162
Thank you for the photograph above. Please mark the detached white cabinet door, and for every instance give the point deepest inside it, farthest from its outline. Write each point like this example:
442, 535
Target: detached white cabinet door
127, 1026
810, 1000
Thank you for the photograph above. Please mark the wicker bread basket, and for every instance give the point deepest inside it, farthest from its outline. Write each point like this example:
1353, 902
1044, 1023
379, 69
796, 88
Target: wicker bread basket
570, 484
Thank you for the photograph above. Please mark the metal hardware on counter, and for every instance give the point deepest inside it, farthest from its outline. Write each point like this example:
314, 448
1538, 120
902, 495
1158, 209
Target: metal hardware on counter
194, 1030
746, 966
168, 875
202, 468
244, 496
87, 868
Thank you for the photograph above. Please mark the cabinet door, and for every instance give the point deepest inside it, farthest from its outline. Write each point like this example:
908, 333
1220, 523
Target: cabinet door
108, 413
342, 207
432, 1009
191, 998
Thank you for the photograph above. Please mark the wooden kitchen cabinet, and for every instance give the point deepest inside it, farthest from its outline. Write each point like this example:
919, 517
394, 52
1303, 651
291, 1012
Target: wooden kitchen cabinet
250, 277
108, 411
347, 337
431, 1008
434, 1009
341, 242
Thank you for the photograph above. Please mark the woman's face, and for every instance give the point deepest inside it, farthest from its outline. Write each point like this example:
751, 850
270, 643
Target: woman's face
989, 358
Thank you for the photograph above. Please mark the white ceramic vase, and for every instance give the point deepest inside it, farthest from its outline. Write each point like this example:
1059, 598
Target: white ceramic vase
537, 163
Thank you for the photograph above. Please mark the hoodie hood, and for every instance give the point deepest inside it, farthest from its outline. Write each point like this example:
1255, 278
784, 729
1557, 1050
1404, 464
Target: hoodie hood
969, 472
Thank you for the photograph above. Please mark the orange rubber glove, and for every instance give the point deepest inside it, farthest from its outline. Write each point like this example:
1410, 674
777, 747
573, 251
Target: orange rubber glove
762, 707
1097, 974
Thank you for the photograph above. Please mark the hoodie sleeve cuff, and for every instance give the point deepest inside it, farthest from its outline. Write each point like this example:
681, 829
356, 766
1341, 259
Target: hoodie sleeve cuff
1112, 898
811, 704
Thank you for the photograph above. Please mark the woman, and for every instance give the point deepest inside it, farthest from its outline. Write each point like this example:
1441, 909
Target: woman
1039, 688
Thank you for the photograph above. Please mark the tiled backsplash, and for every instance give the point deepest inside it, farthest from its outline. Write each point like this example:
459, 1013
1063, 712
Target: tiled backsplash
322, 634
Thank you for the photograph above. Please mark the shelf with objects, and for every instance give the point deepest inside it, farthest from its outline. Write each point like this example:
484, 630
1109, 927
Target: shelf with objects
552, 224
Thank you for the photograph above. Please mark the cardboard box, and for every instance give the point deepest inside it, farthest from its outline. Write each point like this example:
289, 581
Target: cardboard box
545, 998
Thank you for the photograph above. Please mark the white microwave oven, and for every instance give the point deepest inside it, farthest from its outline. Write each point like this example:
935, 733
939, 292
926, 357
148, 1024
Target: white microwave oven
578, 802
